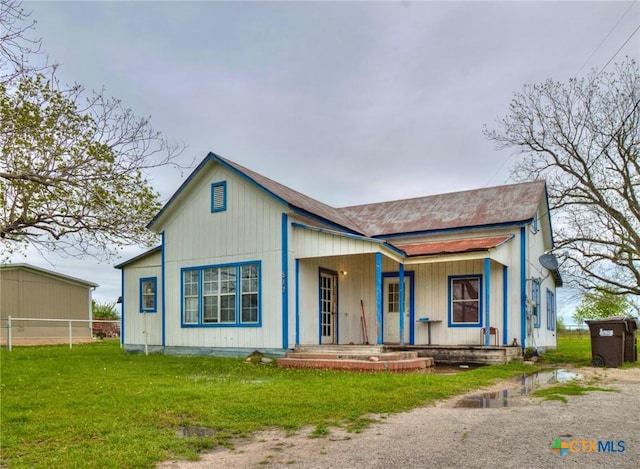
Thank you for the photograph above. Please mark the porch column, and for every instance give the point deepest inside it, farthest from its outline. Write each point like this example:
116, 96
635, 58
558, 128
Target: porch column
505, 305
379, 296
285, 281
523, 287
487, 301
402, 305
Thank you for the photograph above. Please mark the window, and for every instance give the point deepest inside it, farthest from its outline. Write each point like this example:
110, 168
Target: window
148, 295
393, 300
225, 295
464, 301
218, 196
534, 223
535, 298
190, 289
551, 310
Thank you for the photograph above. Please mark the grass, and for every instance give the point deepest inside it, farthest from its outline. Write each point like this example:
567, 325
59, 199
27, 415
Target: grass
96, 406
558, 393
576, 349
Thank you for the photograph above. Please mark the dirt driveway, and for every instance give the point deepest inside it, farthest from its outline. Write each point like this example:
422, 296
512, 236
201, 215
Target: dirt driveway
599, 429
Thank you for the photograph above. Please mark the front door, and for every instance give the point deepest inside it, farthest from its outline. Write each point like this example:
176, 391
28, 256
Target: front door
391, 311
328, 307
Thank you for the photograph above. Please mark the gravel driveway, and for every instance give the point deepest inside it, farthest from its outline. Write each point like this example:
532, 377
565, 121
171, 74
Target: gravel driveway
446, 436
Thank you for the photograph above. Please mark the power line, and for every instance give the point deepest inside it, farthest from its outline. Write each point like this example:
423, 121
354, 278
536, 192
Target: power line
616, 53
606, 37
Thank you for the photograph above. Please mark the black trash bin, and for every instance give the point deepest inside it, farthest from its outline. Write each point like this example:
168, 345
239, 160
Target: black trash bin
607, 341
631, 341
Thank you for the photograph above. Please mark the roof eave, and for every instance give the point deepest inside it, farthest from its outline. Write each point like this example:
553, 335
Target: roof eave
138, 257
517, 223
50, 273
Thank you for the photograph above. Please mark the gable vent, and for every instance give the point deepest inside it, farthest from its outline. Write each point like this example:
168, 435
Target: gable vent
218, 197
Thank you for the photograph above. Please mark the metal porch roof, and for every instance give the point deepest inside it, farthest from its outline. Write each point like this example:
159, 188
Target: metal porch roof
456, 246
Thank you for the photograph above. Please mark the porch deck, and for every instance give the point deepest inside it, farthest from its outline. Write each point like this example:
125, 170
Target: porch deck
395, 357
464, 354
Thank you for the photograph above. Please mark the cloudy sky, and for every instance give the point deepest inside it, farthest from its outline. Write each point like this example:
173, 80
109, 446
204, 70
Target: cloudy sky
347, 102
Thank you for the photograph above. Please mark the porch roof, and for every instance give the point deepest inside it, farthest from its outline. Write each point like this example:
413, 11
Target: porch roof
456, 246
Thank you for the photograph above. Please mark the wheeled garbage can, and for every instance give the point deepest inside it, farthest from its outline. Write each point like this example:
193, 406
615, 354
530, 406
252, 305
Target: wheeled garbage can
607, 341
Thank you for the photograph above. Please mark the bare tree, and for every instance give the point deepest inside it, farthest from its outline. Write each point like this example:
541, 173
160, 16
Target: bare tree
16, 46
74, 165
583, 137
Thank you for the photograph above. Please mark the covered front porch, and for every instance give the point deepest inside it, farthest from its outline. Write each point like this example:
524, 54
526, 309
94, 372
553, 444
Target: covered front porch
352, 290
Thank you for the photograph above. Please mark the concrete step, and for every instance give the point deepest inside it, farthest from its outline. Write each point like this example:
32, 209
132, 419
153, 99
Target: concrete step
410, 364
344, 349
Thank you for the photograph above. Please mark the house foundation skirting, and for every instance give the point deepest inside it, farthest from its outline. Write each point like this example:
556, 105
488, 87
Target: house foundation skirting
205, 351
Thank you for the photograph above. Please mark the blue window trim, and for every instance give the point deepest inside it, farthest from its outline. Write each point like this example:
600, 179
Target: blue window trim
480, 302
223, 207
536, 298
238, 299
551, 310
155, 295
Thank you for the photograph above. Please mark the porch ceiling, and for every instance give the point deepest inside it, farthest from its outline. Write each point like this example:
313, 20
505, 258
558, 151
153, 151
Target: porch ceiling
457, 246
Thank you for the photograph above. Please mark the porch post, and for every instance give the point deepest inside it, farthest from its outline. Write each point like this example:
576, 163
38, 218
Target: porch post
379, 296
523, 287
487, 301
285, 281
505, 305
297, 301
402, 305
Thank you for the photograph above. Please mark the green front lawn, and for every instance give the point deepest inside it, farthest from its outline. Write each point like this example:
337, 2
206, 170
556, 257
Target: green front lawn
96, 406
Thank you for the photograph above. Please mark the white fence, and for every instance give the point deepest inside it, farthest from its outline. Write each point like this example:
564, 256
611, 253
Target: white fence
91, 323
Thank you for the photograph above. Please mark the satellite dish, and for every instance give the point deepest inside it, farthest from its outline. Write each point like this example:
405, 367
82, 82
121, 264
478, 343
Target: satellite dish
548, 261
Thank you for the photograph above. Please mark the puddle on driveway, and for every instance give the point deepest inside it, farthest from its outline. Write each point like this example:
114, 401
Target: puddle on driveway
505, 397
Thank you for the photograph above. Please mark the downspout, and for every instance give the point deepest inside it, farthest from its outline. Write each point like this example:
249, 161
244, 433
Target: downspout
91, 290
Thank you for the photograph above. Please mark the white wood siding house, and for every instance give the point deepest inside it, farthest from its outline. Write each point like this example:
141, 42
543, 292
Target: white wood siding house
246, 263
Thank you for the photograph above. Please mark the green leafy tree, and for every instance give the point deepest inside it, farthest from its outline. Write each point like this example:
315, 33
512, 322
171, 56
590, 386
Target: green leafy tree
583, 138
104, 310
74, 165
600, 304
